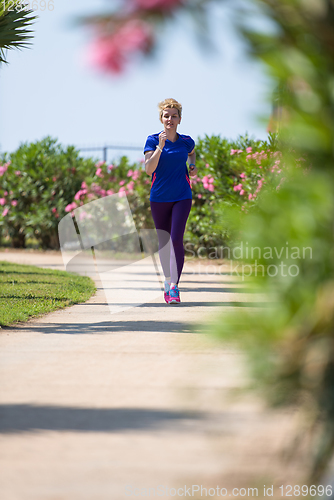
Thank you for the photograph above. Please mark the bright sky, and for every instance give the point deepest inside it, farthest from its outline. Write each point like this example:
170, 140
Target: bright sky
50, 90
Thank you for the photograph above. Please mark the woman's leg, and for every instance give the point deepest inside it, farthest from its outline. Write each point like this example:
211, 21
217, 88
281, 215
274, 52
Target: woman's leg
180, 214
162, 217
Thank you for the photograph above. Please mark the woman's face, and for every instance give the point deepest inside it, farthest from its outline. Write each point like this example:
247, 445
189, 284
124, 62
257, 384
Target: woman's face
170, 118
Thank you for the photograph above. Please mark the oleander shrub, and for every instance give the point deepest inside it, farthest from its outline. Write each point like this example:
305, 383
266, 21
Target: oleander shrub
36, 184
230, 173
42, 182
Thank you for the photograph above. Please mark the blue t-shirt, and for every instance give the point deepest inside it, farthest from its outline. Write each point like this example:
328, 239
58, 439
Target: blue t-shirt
170, 180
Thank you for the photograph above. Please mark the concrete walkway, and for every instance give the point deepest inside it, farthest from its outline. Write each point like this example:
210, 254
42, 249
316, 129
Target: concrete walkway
94, 405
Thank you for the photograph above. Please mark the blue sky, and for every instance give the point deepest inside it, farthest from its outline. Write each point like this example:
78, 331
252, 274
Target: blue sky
50, 90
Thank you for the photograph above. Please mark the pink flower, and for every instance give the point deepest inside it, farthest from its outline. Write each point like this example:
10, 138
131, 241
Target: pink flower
2, 201
109, 168
135, 175
162, 5
80, 193
5, 212
243, 176
13, 203
84, 185
129, 174
99, 164
111, 52
3, 169
250, 196
238, 187
207, 165
249, 150
70, 207
199, 195
54, 210
211, 180
17, 172
110, 192
121, 183
130, 185
233, 151
205, 179
211, 188
99, 172
242, 192
5, 193
54, 179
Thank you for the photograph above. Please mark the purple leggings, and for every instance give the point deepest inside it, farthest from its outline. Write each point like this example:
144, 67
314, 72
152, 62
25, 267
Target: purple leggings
171, 217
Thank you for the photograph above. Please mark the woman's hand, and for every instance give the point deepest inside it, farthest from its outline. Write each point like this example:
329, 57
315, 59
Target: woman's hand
192, 171
162, 139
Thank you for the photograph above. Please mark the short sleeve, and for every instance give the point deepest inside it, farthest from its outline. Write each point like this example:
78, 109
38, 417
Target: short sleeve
189, 143
151, 144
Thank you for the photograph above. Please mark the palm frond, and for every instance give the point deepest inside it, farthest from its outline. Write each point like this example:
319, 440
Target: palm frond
14, 24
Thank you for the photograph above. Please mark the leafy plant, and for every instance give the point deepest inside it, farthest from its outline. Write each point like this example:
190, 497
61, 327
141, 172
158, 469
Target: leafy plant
37, 183
14, 24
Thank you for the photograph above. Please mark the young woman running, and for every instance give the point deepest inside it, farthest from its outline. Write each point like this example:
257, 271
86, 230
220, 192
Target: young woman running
166, 155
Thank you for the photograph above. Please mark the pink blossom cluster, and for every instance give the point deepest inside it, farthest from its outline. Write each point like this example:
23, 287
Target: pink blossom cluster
55, 212
134, 174
239, 187
162, 5
4, 167
276, 167
194, 180
258, 157
3, 201
71, 206
80, 193
111, 52
236, 151
95, 190
208, 181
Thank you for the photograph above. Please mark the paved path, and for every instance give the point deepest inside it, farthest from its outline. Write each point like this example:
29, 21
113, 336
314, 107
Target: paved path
94, 404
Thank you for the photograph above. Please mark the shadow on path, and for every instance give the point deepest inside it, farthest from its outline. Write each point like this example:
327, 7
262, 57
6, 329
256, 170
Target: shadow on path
16, 418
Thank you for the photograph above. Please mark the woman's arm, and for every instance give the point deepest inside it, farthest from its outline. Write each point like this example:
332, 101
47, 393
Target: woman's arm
151, 161
152, 157
192, 160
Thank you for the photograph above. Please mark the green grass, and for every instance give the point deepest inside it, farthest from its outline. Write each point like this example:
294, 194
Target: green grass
27, 291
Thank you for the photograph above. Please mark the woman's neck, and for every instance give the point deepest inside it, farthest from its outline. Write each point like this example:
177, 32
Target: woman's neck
171, 135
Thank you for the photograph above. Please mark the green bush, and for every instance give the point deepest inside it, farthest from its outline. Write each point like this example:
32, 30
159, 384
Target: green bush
37, 183
229, 174
42, 182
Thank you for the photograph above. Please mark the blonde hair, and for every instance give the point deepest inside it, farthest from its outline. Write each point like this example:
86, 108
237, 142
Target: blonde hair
169, 103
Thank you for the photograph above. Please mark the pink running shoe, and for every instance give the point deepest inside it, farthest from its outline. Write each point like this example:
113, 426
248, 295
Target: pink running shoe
166, 292
174, 295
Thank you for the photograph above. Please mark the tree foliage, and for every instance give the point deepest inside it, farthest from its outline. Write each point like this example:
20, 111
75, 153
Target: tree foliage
14, 24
